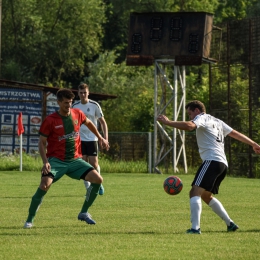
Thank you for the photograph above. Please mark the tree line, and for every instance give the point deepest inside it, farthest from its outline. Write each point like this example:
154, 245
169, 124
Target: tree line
61, 43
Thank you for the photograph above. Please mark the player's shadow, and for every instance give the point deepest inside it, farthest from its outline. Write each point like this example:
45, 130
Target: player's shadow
238, 231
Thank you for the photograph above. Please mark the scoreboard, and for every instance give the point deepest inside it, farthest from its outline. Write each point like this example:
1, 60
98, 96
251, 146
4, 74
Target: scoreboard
182, 36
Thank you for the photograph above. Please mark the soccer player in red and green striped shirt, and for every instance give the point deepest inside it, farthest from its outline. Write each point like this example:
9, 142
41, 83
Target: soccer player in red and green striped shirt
60, 150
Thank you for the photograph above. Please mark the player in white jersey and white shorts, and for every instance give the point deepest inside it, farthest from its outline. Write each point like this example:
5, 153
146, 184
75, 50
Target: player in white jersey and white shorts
210, 134
89, 142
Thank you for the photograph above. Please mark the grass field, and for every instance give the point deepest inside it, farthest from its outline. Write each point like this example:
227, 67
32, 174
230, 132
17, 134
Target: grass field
135, 219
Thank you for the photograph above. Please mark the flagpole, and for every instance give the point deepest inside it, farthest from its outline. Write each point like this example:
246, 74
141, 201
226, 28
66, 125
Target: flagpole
20, 130
21, 152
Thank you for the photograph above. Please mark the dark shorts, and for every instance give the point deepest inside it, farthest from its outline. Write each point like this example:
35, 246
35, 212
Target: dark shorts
210, 175
75, 169
89, 148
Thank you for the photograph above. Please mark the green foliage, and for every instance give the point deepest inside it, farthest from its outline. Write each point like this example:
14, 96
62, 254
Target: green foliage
234, 9
134, 88
51, 39
253, 9
58, 43
118, 13
135, 219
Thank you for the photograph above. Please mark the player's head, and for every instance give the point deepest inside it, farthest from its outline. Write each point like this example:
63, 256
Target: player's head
195, 108
83, 91
64, 93
196, 104
83, 86
64, 100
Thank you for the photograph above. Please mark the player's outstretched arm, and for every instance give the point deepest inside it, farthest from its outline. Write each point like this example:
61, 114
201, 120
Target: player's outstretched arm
182, 125
244, 139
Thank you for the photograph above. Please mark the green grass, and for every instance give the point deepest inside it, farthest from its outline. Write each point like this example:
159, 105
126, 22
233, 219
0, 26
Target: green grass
135, 219
34, 163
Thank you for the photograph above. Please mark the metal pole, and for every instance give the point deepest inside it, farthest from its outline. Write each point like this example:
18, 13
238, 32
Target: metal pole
184, 116
155, 118
150, 152
175, 115
0, 37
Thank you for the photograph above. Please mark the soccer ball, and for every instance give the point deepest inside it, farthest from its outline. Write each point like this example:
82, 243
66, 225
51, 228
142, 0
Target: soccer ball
173, 185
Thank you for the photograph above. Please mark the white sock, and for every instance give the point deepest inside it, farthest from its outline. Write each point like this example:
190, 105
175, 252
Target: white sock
218, 208
87, 184
195, 210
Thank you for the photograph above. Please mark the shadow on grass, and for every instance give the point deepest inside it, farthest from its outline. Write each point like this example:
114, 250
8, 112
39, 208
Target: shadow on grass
31, 232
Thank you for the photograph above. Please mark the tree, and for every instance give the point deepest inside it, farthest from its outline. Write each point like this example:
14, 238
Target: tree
51, 40
118, 13
233, 9
133, 87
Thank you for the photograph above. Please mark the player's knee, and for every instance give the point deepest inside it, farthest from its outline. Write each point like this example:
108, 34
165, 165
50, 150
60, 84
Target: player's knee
99, 179
44, 186
206, 198
94, 177
45, 183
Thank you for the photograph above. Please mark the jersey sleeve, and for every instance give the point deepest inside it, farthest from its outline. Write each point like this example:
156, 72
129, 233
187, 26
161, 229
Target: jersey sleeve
45, 127
98, 111
199, 120
82, 117
226, 129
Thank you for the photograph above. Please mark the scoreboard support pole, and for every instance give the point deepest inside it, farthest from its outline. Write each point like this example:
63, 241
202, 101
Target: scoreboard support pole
168, 100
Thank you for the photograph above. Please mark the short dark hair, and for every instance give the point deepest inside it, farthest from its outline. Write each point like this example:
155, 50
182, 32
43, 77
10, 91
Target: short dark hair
64, 93
192, 105
83, 86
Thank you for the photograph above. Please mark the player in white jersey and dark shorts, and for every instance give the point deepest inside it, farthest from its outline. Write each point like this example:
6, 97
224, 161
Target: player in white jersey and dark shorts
89, 142
210, 134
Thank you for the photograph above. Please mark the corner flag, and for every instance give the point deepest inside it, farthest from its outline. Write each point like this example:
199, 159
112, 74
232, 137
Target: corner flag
20, 131
20, 128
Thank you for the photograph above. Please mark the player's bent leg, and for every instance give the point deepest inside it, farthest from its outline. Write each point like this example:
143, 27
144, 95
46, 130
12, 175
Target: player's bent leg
34, 206
95, 179
37, 200
93, 160
218, 208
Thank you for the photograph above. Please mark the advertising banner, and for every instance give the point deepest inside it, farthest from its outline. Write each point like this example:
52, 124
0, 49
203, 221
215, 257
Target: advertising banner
29, 103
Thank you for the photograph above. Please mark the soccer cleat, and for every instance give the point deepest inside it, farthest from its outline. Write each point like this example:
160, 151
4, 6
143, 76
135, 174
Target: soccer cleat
28, 225
193, 231
101, 190
232, 227
85, 216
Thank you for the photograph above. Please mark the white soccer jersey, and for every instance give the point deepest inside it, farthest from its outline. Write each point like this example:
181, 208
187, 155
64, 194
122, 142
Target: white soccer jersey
210, 135
93, 112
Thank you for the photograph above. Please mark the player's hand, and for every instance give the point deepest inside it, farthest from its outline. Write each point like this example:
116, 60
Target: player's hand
46, 168
104, 144
162, 118
256, 148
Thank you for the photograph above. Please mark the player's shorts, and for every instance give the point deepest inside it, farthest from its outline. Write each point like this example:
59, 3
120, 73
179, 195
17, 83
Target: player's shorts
89, 148
210, 175
74, 168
